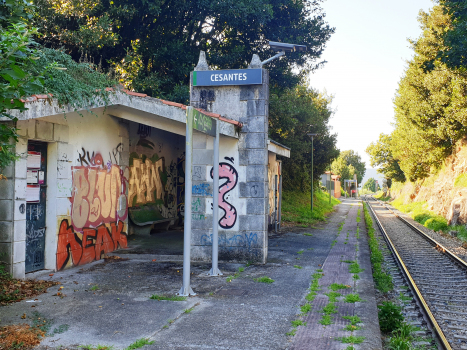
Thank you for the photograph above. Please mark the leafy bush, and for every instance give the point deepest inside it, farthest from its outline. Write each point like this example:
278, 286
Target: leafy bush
390, 317
461, 181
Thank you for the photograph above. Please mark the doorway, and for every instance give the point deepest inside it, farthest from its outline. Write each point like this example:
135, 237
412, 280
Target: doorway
35, 205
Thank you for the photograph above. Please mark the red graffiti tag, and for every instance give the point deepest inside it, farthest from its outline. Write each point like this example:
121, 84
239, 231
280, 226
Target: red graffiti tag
95, 242
227, 171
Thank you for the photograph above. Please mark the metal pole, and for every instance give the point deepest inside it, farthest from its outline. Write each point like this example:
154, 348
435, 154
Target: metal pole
312, 173
186, 288
330, 177
215, 207
280, 194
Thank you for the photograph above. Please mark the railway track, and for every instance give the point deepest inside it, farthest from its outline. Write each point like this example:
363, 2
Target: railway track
436, 277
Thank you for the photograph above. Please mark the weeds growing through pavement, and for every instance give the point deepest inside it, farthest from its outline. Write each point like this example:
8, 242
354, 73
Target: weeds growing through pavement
352, 298
337, 286
298, 267
139, 344
264, 279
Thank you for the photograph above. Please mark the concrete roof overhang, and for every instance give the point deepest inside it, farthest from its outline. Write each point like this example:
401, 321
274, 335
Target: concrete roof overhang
279, 149
130, 106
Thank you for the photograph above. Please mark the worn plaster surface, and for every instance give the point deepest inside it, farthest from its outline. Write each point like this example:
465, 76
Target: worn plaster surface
107, 302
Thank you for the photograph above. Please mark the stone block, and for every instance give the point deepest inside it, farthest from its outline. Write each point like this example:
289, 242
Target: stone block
199, 141
19, 209
6, 210
60, 132
22, 128
256, 206
243, 157
252, 189
201, 221
19, 230
6, 252
21, 167
252, 223
203, 156
201, 189
64, 160
6, 231
257, 157
7, 189
44, 130
20, 189
254, 124
199, 173
198, 205
256, 108
19, 270
228, 254
253, 92
22, 147
9, 171
255, 140
256, 173
64, 188
63, 207
19, 251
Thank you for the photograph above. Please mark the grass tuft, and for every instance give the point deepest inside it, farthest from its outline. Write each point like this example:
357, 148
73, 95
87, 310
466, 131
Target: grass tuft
171, 298
264, 279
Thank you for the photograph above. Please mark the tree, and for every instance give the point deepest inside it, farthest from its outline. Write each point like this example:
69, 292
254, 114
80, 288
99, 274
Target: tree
371, 185
17, 54
381, 156
430, 104
153, 46
340, 167
455, 37
293, 114
353, 161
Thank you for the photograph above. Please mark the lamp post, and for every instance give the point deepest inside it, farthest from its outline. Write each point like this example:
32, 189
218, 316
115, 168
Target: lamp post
311, 135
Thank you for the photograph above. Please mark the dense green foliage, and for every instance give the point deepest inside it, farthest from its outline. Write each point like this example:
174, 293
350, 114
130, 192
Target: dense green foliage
153, 46
347, 164
17, 54
383, 281
430, 104
381, 156
455, 37
418, 211
390, 317
293, 114
296, 207
371, 185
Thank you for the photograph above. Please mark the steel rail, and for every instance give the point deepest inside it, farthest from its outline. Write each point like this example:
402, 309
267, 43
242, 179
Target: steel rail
431, 321
435, 243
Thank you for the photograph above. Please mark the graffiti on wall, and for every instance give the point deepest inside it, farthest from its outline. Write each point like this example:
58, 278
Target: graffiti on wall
99, 196
99, 207
229, 173
145, 183
241, 240
90, 244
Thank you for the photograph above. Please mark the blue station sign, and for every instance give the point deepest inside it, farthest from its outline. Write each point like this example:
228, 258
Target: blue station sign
228, 77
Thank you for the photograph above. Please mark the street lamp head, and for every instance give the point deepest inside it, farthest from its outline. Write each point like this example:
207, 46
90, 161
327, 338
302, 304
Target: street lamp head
311, 134
278, 47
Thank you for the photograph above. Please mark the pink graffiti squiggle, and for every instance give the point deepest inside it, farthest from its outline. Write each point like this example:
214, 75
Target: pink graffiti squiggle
227, 171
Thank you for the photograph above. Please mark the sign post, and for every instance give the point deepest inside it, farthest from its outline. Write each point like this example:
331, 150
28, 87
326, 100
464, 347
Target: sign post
201, 122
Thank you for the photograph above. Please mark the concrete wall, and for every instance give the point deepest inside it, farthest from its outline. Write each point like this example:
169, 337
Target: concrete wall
87, 176
243, 191
157, 177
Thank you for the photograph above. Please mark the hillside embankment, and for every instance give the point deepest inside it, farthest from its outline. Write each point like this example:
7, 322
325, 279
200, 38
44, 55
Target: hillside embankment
443, 193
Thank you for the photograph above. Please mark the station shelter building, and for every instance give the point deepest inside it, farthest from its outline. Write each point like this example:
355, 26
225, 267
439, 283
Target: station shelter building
87, 180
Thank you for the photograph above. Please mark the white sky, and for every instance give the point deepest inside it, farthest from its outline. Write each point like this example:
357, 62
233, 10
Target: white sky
366, 59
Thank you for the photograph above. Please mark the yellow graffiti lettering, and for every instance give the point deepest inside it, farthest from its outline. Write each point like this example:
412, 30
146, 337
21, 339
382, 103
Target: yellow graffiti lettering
144, 179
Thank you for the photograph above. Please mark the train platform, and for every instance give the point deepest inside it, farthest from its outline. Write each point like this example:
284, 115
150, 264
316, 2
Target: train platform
320, 295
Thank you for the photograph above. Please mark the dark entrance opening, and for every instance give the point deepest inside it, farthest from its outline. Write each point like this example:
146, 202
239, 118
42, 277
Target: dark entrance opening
35, 205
